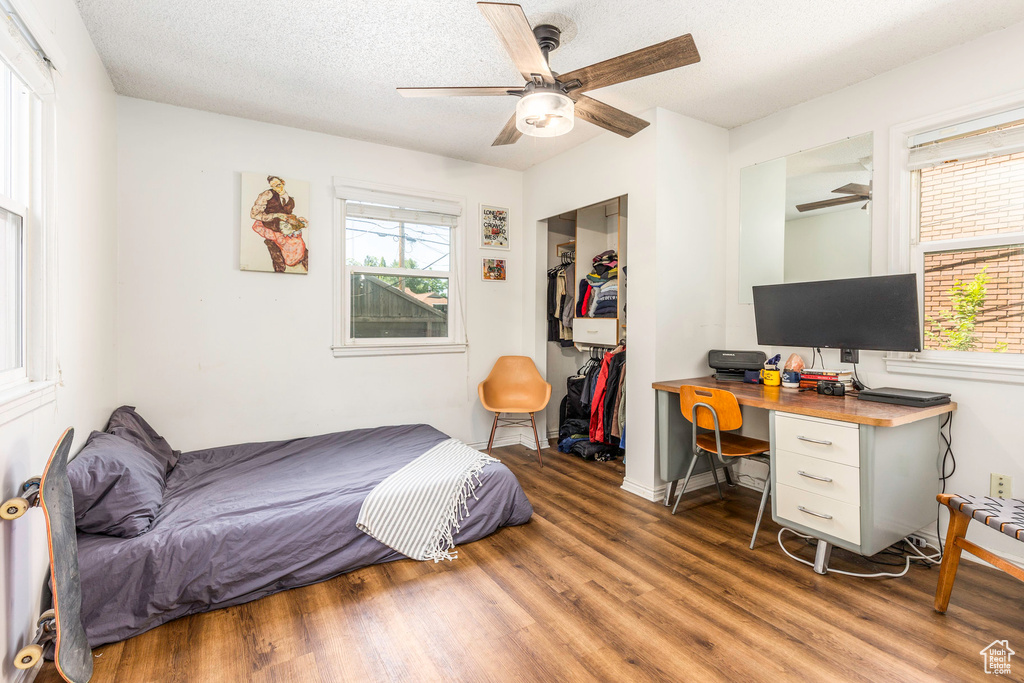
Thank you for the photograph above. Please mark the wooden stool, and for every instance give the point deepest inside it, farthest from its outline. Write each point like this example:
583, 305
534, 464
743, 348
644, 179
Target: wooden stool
1006, 516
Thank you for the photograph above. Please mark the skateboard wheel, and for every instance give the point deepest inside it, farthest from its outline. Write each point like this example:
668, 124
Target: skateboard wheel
14, 508
49, 619
28, 656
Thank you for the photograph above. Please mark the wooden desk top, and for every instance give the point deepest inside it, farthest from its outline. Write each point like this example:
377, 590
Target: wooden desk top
845, 409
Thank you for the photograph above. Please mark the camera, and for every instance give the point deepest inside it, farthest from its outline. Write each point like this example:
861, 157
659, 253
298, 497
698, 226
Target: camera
831, 388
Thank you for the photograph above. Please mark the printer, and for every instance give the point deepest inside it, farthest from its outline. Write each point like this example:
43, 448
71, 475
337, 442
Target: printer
729, 365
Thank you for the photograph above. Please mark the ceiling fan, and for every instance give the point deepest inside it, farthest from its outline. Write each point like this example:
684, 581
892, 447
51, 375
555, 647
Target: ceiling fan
549, 101
855, 192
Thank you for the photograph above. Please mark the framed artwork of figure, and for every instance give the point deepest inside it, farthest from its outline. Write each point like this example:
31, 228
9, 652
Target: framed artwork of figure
274, 222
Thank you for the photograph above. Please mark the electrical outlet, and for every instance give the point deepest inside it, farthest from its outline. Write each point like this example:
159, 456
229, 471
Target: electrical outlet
919, 541
1001, 486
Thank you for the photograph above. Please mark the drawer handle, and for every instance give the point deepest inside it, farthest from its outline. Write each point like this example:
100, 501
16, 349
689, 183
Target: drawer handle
823, 442
801, 508
592, 331
814, 476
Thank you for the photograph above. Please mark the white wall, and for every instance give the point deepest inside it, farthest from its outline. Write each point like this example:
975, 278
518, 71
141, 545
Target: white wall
987, 434
86, 316
201, 342
828, 246
674, 174
762, 225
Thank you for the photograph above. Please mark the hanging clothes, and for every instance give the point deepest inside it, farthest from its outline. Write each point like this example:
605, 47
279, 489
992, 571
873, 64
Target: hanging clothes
560, 297
601, 406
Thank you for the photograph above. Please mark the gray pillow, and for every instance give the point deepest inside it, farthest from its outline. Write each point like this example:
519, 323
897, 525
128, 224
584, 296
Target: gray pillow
129, 425
118, 487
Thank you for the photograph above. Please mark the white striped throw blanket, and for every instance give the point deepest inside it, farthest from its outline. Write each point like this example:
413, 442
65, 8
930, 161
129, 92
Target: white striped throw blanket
417, 509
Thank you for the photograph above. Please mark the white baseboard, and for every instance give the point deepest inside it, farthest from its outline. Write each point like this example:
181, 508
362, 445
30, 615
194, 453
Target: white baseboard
506, 440
657, 494
511, 440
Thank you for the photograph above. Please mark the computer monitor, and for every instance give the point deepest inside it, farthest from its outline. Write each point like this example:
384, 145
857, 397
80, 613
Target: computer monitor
872, 313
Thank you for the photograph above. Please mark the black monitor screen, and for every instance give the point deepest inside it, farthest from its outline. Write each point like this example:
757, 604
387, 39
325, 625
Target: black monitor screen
877, 313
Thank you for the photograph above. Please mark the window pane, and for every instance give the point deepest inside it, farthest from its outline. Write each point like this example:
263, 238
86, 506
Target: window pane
981, 197
390, 244
20, 142
11, 294
390, 306
974, 300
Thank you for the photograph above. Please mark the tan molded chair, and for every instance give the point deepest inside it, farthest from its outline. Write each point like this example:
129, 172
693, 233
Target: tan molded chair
718, 410
514, 386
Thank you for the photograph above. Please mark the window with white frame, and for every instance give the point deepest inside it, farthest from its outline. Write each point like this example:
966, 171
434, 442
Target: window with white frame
400, 275
17, 105
967, 234
27, 230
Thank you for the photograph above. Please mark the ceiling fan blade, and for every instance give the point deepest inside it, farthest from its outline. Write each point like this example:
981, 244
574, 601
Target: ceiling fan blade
671, 54
853, 188
608, 117
836, 201
514, 30
460, 92
509, 134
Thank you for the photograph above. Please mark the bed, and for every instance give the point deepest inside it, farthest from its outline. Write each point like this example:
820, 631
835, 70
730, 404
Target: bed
241, 522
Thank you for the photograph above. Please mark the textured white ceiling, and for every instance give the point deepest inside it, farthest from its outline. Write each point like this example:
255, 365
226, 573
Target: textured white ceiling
333, 66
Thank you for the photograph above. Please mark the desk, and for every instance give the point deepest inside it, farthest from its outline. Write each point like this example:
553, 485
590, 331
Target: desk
856, 474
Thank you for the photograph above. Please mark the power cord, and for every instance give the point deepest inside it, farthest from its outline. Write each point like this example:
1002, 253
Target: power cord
947, 456
857, 383
928, 559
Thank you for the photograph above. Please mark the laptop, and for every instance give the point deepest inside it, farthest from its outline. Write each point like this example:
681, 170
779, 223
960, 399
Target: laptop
904, 397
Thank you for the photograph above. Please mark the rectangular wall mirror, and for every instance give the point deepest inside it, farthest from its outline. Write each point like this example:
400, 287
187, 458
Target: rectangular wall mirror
806, 216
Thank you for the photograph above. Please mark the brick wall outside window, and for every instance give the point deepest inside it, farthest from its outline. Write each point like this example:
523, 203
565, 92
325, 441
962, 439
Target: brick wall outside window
971, 199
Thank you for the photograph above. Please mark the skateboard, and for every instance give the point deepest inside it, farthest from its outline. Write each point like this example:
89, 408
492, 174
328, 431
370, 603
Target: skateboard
62, 625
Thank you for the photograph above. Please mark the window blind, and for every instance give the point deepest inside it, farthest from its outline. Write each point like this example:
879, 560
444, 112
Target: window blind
982, 146
389, 213
20, 50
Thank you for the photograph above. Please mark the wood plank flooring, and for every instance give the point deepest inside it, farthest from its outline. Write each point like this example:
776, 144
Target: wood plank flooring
600, 585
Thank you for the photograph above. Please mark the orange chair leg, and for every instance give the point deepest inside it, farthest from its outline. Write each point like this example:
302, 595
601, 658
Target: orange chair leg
958, 522
537, 439
494, 426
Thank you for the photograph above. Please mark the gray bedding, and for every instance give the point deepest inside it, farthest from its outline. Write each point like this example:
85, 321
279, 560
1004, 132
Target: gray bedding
241, 522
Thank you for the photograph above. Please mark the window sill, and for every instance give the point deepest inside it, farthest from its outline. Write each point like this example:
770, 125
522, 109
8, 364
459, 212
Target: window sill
397, 350
971, 369
22, 399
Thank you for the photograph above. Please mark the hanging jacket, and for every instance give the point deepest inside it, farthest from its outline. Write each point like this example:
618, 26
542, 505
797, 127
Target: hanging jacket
597, 404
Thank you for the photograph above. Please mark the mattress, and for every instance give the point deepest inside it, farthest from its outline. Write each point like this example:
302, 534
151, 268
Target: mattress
245, 521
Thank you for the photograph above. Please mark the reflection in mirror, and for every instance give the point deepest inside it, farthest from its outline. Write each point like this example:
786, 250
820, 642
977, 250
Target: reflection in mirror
806, 216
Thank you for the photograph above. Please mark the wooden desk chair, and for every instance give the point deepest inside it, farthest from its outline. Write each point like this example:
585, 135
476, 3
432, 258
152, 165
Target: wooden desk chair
514, 386
718, 410
1006, 516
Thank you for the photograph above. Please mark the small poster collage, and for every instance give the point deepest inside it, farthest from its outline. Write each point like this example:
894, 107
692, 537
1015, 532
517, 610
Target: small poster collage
494, 235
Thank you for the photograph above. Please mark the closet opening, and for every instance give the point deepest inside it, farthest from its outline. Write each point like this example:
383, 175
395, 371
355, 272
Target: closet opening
586, 330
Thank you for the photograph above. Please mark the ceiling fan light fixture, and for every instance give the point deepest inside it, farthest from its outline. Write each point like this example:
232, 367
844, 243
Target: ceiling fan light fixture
545, 114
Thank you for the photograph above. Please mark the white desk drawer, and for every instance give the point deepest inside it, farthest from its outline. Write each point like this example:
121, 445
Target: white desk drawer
825, 439
815, 511
826, 478
594, 331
